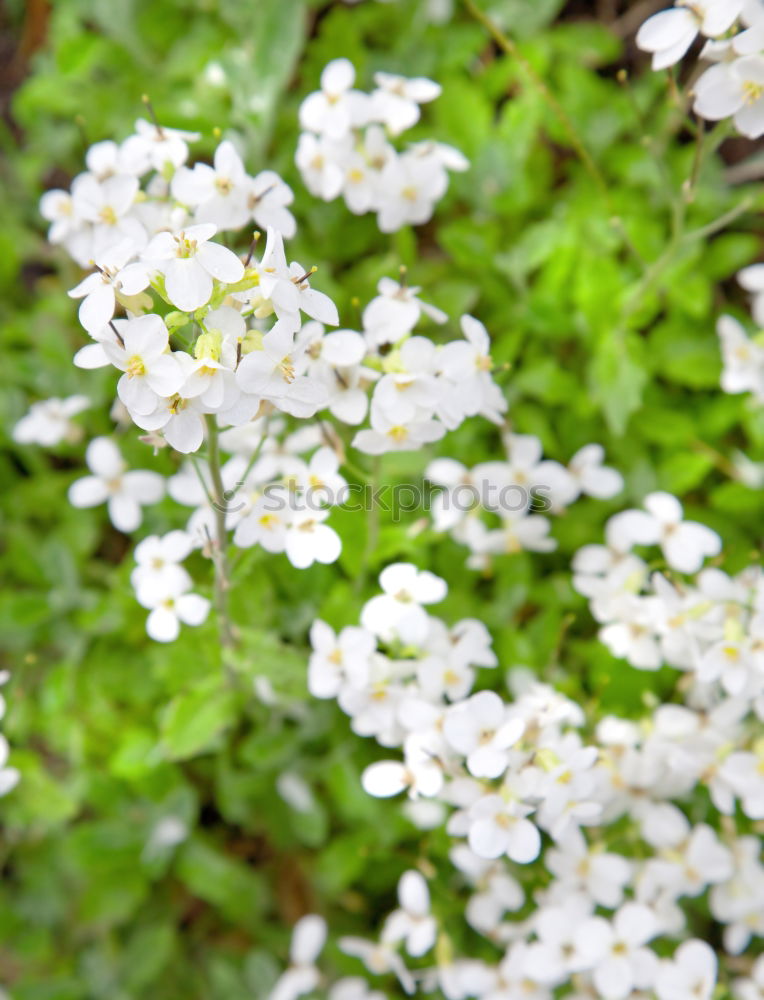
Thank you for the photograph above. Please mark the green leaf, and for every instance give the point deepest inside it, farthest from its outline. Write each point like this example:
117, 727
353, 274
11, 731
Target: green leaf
194, 721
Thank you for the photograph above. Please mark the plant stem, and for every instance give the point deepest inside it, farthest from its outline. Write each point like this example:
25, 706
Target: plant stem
510, 48
220, 542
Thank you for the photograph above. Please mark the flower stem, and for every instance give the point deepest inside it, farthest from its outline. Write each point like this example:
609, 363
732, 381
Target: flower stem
220, 542
510, 48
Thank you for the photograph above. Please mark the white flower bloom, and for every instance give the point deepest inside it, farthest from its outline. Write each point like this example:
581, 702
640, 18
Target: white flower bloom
124, 492
395, 312
479, 729
743, 359
272, 373
396, 100
156, 146
388, 433
49, 422
319, 164
752, 280
498, 825
398, 613
170, 606
593, 478
151, 371
412, 923
734, 89
618, 953
669, 34
158, 566
336, 108
337, 659
302, 976
690, 975
107, 205
685, 544
267, 199
190, 262
309, 540
218, 193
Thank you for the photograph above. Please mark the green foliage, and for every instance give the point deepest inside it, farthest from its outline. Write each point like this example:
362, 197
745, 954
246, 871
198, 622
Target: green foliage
601, 305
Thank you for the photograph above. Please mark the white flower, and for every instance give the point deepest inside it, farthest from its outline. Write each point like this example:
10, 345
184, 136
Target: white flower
151, 372
399, 612
338, 658
58, 208
354, 988
420, 775
389, 433
158, 562
685, 544
170, 606
309, 540
412, 923
267, 199
115, 280
743, 359
752, 280
618, 953
734, 89
690, 975
266, 523
302, 976
498, 825
286, 290
593, 478
190, 262
479, 729
412, 185
317, 160
336, 108
397, 98
753, 988
395, 312
669, 34
124, 492
378, 959
218, 193
156, 146
601, 875
273, 373
49, 421
107, 206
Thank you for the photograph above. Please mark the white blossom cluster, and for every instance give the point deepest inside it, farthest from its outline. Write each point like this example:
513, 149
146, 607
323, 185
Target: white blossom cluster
733, 87
627, 869
513, 492
212, 343
345, 148
709, 627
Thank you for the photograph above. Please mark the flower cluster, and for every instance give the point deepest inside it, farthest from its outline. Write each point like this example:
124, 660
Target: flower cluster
345, 148
422, 390
514, 492
733, 87
516, 780
213, 351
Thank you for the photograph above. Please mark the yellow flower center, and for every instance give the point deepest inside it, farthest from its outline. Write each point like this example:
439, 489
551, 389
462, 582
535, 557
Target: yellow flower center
135, 366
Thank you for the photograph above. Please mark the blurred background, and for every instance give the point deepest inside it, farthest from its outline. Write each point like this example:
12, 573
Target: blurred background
166, 832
